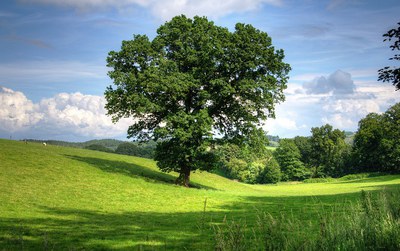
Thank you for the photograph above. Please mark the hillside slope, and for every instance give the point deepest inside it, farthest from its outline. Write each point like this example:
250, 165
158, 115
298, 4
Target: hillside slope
71, 198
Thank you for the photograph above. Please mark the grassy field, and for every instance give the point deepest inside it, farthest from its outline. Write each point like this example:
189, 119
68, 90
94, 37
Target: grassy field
66, 198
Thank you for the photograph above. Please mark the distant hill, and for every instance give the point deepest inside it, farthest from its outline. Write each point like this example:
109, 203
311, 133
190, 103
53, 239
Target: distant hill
141, 149
63, 198
349, 137
108, 143
138, 149
273, 140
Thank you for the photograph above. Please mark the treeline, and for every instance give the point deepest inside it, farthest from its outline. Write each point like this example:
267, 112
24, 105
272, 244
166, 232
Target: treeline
328, 152
139, 149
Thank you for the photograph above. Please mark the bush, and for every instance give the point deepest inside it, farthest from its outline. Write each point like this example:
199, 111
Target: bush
236, 169
261, 171
271, 173
288, 157
243, 164
252, 173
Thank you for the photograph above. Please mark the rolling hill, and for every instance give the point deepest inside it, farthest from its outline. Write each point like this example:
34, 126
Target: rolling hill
55, 197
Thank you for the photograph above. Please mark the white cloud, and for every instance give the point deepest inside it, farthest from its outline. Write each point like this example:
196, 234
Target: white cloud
284, 125
339, 82
304, 109
345, 113
211, 8
17, 113
74, 116
80, 114
167, 9
338, 120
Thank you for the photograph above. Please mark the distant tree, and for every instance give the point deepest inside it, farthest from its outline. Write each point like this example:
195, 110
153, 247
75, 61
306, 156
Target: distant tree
367, 143
109, 143
273, 140
271, 172
127, 148
288, 157
98, 147
390, 74
240, 170
244, 163
391, 141
329, 150
304, 146
135, 149
377, 141
192, 80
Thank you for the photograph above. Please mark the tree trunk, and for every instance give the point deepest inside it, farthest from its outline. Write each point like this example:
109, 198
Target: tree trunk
184, 177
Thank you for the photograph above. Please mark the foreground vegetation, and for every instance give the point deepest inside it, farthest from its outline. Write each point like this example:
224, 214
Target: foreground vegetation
66, 198
372, 223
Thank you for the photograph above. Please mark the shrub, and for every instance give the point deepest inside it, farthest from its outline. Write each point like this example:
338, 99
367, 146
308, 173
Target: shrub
288, 157
236, 169
271, 173
245, 165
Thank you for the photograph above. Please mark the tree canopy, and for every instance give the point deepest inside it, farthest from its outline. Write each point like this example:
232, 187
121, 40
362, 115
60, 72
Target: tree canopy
392, 74
288, 156
193, 81
328, 150
377, 141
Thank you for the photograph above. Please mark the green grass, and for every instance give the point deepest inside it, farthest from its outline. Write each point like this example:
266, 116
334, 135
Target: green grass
68, 198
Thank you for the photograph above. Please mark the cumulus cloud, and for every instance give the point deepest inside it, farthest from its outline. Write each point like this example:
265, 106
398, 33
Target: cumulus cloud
210, 8
336, 104
72, 115
339, 82
345, 113
16, 111
167, 9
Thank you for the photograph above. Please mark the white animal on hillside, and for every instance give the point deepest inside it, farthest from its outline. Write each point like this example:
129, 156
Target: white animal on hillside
44, 143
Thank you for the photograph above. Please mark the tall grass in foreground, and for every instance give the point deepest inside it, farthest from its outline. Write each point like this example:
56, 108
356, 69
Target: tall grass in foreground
373, 223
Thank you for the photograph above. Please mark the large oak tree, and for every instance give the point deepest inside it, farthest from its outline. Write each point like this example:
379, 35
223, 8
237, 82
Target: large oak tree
192, 82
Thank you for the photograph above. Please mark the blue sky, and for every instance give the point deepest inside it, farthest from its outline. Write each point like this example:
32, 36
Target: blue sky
53, 53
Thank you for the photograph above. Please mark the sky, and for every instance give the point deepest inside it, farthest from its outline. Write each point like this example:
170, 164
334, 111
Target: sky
53, 54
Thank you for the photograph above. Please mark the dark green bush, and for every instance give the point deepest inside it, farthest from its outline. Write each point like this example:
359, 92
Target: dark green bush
271, 174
